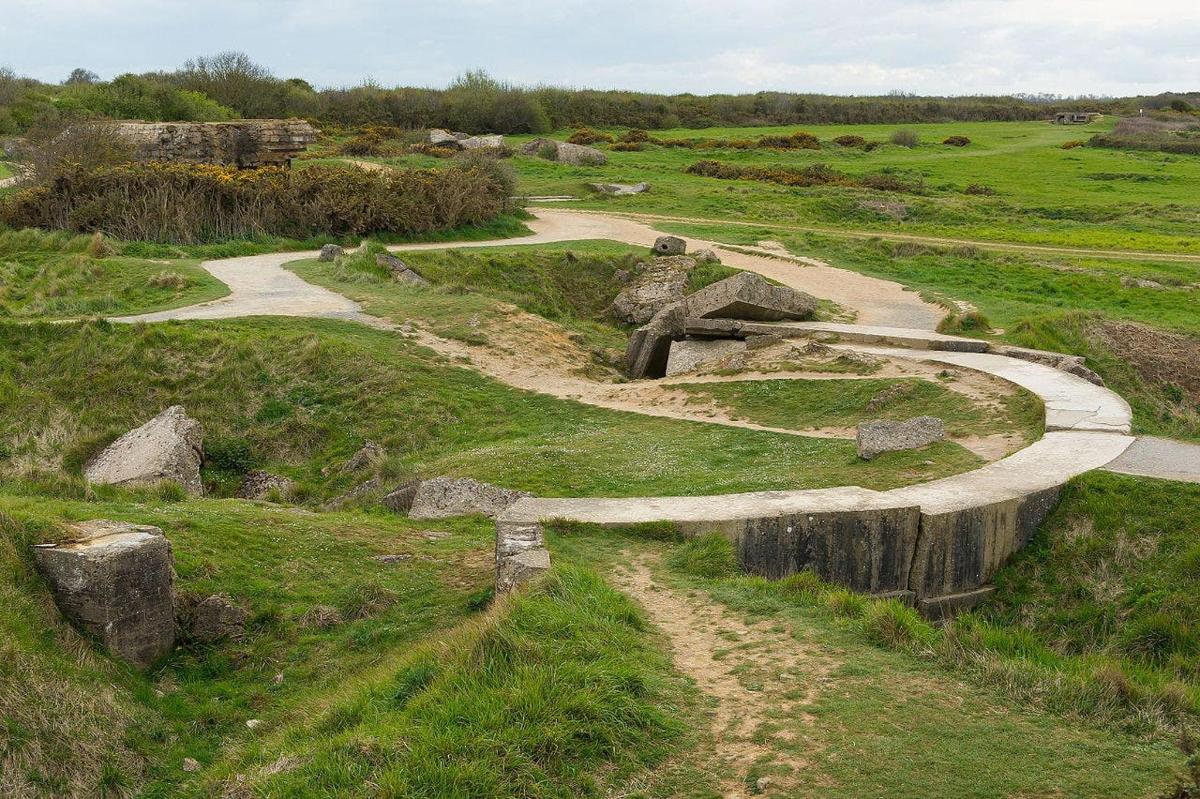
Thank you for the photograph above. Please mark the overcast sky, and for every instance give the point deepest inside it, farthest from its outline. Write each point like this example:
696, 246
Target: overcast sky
925, 46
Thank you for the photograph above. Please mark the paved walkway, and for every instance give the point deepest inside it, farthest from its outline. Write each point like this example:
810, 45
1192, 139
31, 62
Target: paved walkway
1160, 457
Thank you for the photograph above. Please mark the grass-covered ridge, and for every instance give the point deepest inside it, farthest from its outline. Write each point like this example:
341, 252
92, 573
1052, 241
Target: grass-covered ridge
301, 395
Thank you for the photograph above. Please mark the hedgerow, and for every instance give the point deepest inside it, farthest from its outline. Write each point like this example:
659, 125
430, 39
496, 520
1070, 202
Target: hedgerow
814, 175
192, 204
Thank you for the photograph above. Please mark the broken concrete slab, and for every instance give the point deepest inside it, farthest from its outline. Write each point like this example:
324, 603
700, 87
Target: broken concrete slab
442, 497
168, 448
521, 555
649, 346
690, 354
941, 608
400, 500
669, 245
620, 189
886, 435
1071, 364
114, 581
748, 296
653, 286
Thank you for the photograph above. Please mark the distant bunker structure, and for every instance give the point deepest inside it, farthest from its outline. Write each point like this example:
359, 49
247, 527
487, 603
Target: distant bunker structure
244, 144
1075, 117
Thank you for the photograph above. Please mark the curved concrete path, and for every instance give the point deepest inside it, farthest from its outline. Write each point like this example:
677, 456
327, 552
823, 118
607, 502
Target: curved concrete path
1160, 457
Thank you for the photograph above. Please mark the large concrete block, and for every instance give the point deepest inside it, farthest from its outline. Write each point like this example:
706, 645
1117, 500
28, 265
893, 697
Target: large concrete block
690, 354
169, 447
866, 549
114, 581
650, 345
749, 296
521, 554
960, 549
443, 497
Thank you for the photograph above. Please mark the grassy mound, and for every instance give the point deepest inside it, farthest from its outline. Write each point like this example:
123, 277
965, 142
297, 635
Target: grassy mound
556, 693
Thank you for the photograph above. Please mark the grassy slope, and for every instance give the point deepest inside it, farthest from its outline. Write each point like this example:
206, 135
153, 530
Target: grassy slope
55, 276
889, 720
799, 404
299, 395
1044, 194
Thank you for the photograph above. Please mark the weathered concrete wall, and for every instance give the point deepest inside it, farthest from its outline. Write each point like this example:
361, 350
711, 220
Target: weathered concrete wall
865, 550
245, 144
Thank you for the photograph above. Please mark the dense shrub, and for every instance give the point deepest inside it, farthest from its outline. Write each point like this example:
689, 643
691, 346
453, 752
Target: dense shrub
627, 146
185, 203
588, 136
850, 141
1168, 134
956, 141
797, 141
905, 138
814, 175
635, 135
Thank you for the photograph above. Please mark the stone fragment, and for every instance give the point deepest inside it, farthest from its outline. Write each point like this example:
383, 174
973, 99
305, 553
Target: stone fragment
656, 285
649, 346
690, 354
330, 252
565, 152
368, 455
442, 138
169, 447
521, 554
253, 724
884, 435
493, 142
449, 496
191, 765
1071, 364
260, 485
114, 581
401, 499
749, 296
669, 245
706, 256
620, 189
401, 272
213, 619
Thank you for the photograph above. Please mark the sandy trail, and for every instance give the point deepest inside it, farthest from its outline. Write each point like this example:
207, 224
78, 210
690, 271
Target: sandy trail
759, 677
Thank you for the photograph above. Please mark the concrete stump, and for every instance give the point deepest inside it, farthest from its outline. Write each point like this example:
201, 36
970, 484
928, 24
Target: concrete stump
521, 554
115, 583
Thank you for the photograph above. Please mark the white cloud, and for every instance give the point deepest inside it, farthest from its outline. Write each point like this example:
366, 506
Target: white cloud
925, 46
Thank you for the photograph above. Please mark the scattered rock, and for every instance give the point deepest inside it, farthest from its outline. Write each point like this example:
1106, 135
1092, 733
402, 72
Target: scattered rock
253, 724
669, 245
191, 765
435, 535
889, 208
442, 138
169, 447
521, 555
620, 189
706, 256
330, 252
401, 272
656, 285
1071, 364
1141, 283
115, 581
370, 454
565, 152
692, 353
883, 435
761, 342
401, 499
389, 559
449, 496
814, 349
492, 142
278, 679
213, 619
321, 617
889, 395
358, 492
260, 485
762, 783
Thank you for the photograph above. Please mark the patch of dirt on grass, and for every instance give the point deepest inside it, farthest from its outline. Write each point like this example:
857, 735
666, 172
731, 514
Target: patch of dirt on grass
759, 678
1159, 357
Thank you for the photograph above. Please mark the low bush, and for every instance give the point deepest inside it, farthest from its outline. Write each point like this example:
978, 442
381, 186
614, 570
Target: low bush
813, 175
188, 204
628, 147
797, 141
905, 138
1071, 145
370, 143
425, 148
969, 322
850, 141
588, 136
635, 135
956, 141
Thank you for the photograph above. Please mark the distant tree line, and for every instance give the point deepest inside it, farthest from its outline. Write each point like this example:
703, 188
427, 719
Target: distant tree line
231, 85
